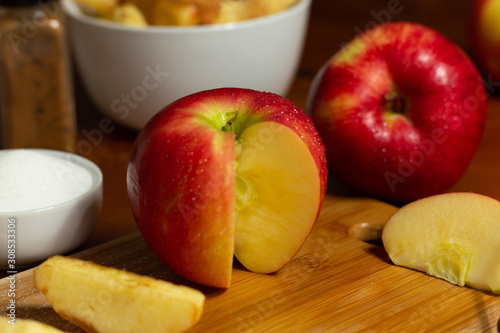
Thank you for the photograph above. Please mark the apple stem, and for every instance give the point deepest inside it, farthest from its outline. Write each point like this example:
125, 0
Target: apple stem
227, 127
230, 117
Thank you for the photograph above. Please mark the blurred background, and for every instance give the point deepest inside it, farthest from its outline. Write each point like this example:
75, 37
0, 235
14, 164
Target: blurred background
332, 23
337, 22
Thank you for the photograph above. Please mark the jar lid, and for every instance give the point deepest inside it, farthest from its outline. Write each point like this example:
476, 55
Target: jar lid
20, 3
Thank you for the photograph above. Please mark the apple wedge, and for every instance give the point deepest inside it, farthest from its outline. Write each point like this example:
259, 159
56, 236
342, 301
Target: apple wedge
277, 197
103, 299
222, 173
452, 236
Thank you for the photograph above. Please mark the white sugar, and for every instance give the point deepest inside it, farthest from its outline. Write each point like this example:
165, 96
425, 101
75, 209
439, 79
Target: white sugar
30, 179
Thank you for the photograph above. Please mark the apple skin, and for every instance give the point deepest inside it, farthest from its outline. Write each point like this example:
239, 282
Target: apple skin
401, 110
181, 177
484, 37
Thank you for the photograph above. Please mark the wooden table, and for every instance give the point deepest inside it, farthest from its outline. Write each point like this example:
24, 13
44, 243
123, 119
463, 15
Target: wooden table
336, 283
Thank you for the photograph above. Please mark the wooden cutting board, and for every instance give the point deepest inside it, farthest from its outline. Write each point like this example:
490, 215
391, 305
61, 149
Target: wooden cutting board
336, 283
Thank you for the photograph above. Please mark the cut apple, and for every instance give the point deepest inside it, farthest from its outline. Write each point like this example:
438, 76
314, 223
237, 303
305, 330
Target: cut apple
452, 236
223, 173
103, 299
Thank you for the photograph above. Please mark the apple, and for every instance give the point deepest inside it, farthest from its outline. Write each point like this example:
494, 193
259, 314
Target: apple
401, 111
484, 37
225, 173
108, 300
453, 236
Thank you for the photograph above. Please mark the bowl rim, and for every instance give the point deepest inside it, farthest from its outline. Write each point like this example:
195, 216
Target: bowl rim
90, 166
71, 9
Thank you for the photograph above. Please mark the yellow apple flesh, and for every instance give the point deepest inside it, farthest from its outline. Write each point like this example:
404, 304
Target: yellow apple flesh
275, 194
104, 299
452, 236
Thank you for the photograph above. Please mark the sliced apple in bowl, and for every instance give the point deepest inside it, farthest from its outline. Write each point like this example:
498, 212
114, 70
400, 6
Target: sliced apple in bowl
222, 173
453, 236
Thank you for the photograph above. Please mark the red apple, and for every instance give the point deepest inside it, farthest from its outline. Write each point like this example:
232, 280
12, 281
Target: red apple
223, 173
485, 37
401, 110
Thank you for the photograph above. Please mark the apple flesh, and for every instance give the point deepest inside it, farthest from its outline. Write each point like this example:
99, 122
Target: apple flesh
452, 236
485, 37
108, 300
222, 173
401, 111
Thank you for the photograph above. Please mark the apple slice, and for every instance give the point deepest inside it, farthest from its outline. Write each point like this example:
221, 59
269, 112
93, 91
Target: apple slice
276, 197
222, 173
21, 325
452, 236
103, 299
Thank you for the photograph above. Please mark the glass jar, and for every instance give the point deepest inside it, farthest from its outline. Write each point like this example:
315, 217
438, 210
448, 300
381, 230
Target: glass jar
36, 97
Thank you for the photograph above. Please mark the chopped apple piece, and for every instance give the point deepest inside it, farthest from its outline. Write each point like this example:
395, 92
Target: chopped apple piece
19, 325
175, 13
128, 14
147, 7
240, 10
97, 7
452, 236
102, 299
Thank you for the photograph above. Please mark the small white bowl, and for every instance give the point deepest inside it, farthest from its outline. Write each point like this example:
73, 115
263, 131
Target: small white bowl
131, 73
58, 229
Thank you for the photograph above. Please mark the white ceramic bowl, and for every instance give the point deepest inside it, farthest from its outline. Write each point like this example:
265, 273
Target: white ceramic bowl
131, 73
58, 229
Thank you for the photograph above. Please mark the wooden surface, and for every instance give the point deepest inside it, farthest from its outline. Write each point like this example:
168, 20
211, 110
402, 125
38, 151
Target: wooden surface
336, 283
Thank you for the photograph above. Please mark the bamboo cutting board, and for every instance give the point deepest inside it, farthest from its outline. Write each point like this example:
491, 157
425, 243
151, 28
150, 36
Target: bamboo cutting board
336, 283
